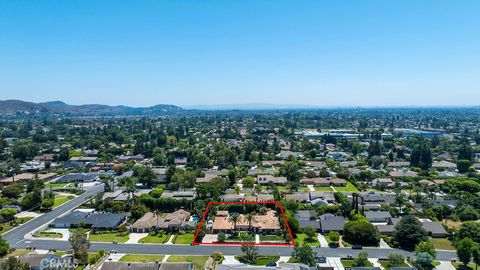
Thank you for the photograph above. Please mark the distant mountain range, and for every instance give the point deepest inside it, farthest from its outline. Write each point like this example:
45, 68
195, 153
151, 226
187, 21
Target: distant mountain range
60, 107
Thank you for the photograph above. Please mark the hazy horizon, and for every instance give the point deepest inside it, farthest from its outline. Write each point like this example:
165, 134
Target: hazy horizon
213, 53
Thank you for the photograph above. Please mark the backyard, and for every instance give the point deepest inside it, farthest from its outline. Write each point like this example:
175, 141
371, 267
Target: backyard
442, 243
348, 188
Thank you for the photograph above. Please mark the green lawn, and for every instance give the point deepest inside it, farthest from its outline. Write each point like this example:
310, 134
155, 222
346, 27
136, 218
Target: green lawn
55, 185
48, 234
198, 261
302, 239
18, 252
142, 258
348, 188
59, 200
460, 266
5, 228
261, 260
108, 237
323, 189
349, 263
303, 189
270, 238
386, 264
442, 243
155, 239
186, 238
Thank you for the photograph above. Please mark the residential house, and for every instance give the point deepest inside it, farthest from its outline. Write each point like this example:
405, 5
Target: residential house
330, 222
110, 265
378, 216
305, 215
79, 178
444, 165
398, 164
323, 182
96, 221
188, 194
267, 224
434, 229
178, 220
267, 179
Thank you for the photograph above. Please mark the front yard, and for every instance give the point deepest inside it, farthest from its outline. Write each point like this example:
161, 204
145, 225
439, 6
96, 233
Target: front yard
302, 239
272, 238
260, 260
442, 243
142, 258
349, 263
348, 188
186, 238
198, 261
153, 238
59, 200
108, 237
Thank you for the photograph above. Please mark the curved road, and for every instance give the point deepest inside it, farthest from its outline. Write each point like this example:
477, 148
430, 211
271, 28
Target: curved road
16, 238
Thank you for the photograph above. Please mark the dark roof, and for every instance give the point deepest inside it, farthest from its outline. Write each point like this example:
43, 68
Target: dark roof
305, 214
403, 268
434, 227
377, 214
95, 220
105, 220
385, 228
75, 218
334, 223
78, 177
365, 268
309, 223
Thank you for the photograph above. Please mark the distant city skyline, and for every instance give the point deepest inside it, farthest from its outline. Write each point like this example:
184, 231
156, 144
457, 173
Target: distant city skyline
196, 53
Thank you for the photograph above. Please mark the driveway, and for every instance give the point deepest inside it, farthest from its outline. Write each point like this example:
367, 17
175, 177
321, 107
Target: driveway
445, 265
323, 241
230, 260
335, 263
135, 237
383, 244
310, 188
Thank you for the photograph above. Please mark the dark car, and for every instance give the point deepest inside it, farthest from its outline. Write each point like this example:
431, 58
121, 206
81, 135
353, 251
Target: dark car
271, 264
321, 259
357, 247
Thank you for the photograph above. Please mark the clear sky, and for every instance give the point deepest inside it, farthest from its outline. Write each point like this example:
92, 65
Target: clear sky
200, 52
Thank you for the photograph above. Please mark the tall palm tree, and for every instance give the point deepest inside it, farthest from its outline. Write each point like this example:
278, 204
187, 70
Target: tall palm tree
156, 213
249, 218
234, 219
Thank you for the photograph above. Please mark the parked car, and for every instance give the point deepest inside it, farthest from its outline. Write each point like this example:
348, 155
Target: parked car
271, 264
357, 247
321, 259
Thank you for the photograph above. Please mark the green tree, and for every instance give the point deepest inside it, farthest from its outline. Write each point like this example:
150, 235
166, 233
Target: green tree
309, 232
334, 236
426, 246
424, 261
80, 245
361, 260
304, 254
464, 250
463, 165
4, 247
361, 232
395, 259
12, 263
249, 250
469, 229
409, 232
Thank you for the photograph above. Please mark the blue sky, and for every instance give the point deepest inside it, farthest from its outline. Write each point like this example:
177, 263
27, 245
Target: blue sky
323, 53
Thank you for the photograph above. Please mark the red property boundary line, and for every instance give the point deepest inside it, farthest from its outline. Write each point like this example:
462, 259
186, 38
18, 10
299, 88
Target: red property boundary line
279, 204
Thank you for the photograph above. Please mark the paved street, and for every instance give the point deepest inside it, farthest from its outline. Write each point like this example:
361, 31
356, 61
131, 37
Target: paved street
16, 236
16, 239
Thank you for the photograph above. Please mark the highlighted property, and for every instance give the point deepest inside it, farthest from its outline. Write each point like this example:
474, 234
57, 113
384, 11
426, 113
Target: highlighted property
239, 223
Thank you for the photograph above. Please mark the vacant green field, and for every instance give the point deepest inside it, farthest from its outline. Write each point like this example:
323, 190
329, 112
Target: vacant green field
302, 239
442, 243
186, 238
348, 188
108, 237
141, 258
198, 261
155, 239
